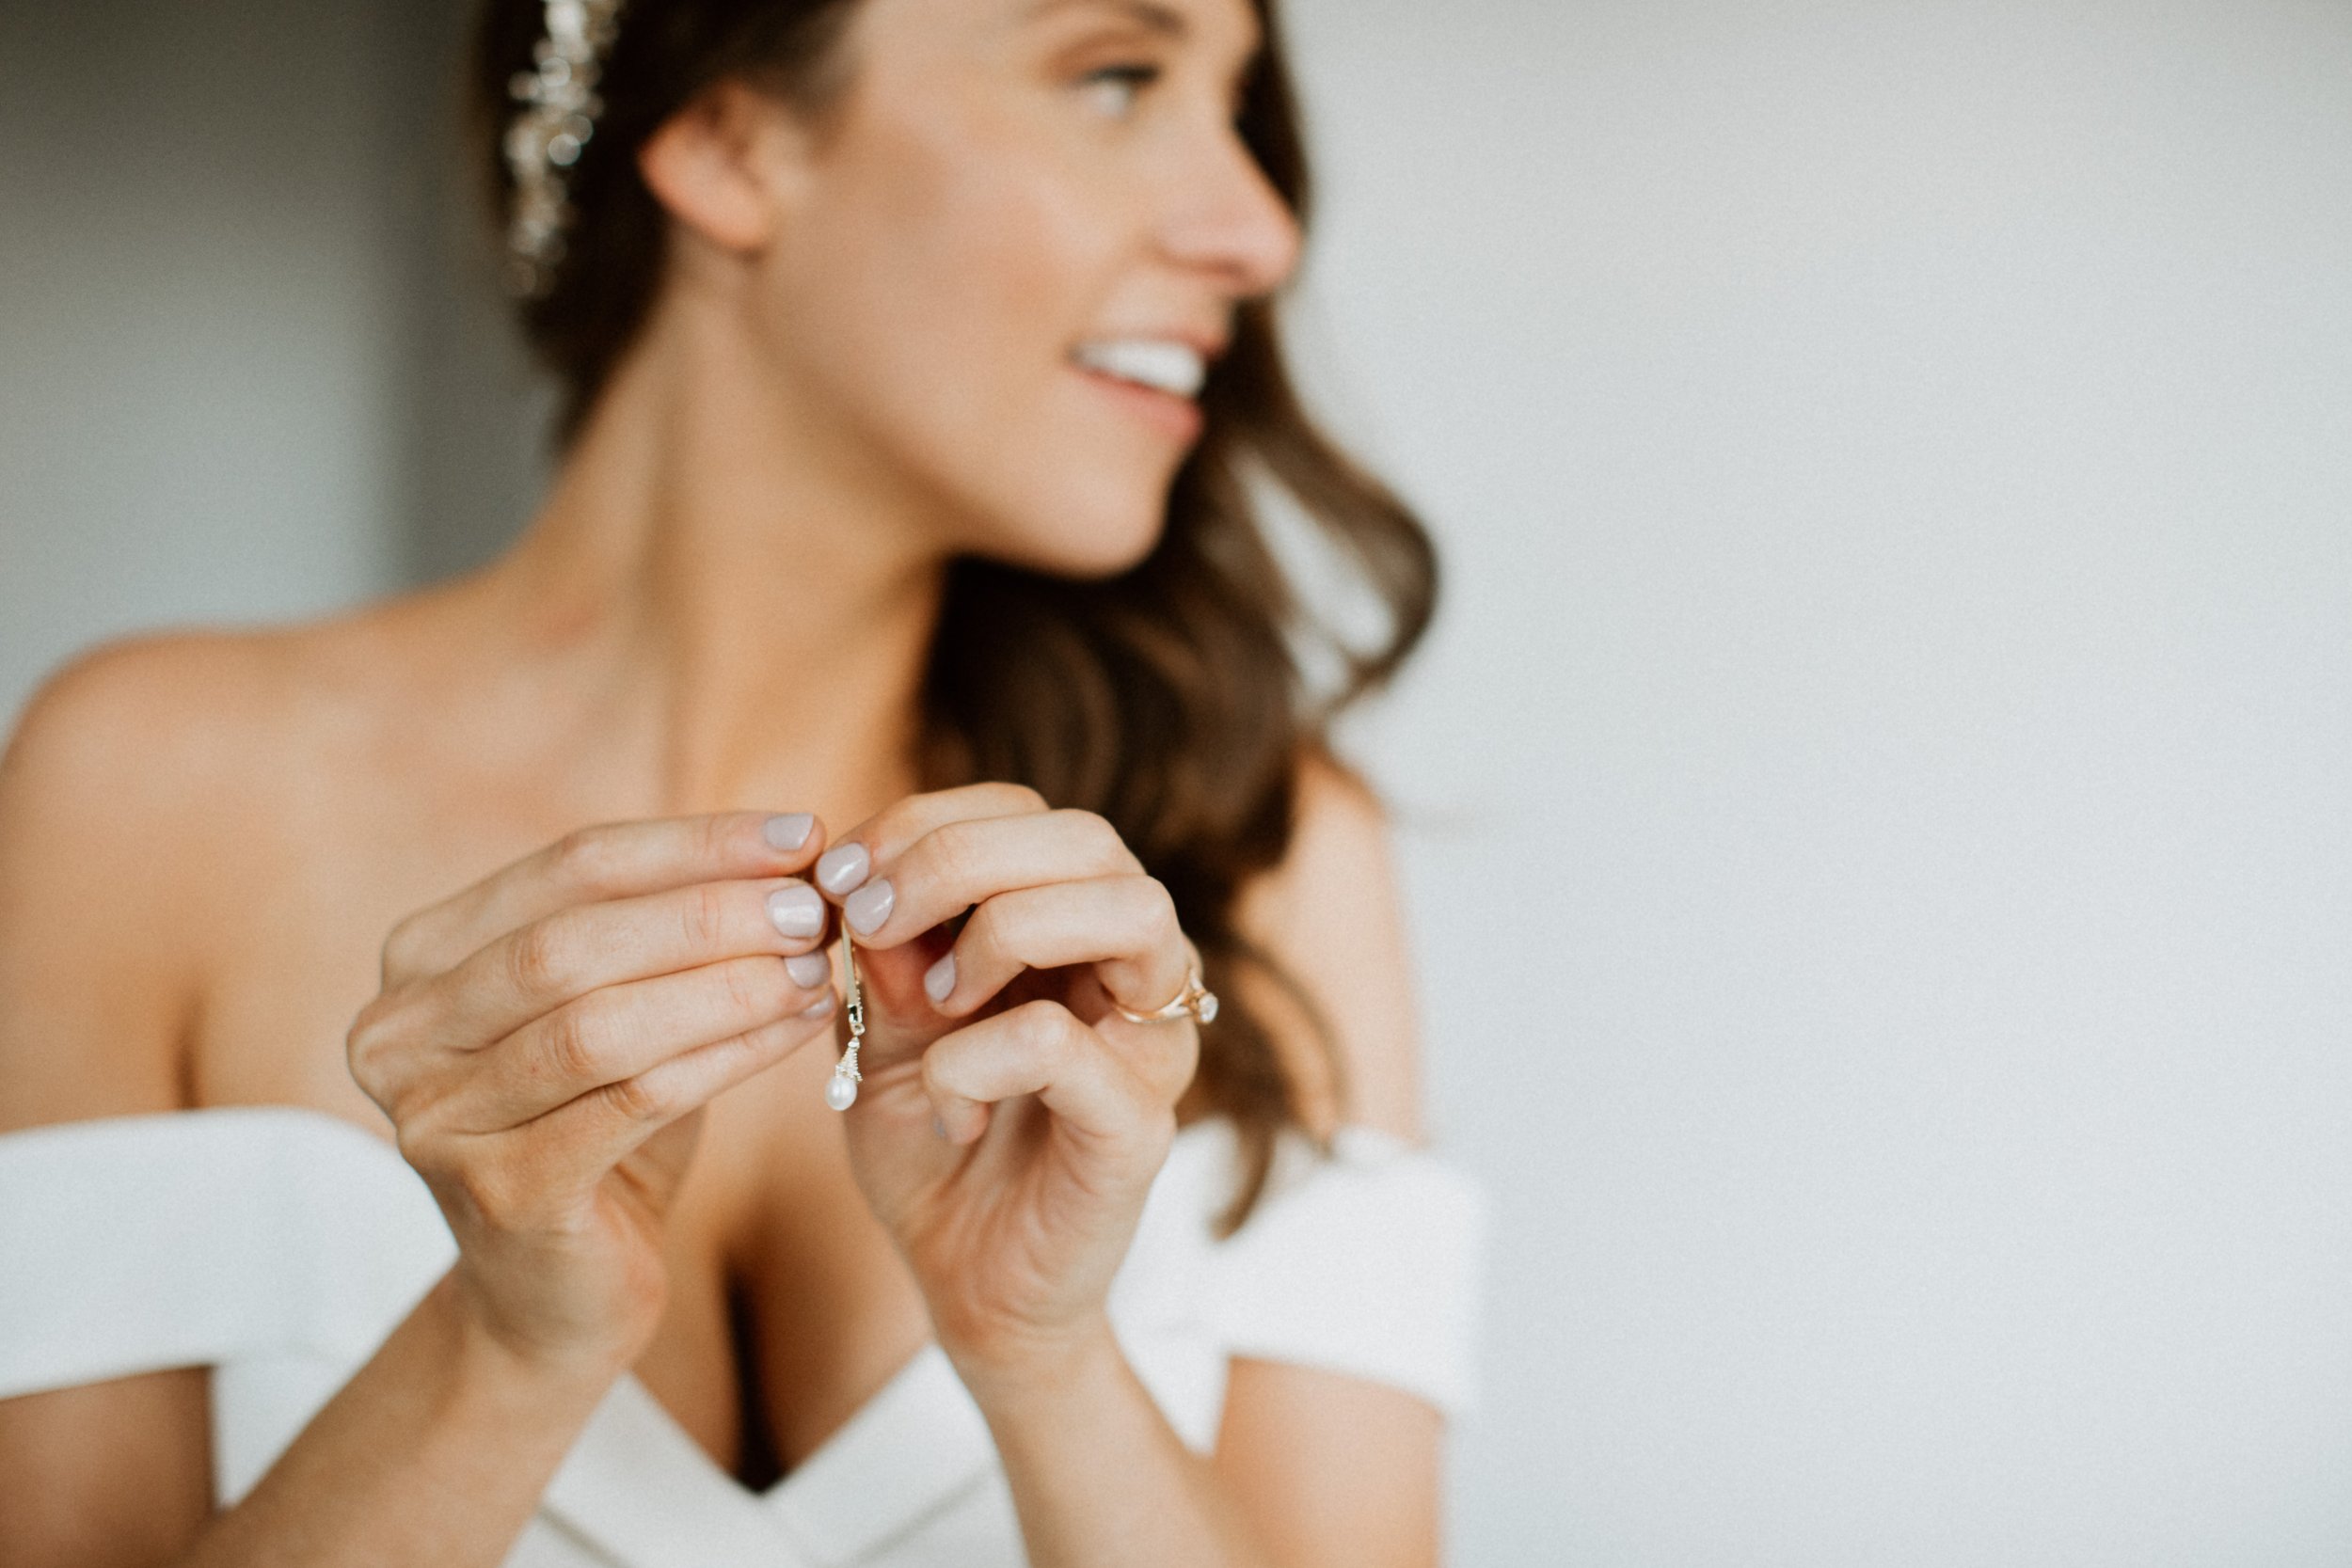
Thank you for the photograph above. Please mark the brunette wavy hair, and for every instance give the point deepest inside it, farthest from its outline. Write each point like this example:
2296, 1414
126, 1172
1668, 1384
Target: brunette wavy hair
1174, 699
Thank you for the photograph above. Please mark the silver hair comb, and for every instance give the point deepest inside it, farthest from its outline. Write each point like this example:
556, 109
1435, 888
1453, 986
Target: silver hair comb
545, 139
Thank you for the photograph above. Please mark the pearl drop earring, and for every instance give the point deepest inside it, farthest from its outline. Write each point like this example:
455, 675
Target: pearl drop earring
841, 1091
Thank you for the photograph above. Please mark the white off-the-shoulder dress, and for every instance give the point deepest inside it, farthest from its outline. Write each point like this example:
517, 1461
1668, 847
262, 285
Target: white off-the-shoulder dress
279, 1247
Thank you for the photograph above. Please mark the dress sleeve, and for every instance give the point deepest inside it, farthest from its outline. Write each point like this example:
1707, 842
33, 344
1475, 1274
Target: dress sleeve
192, 1238
1370, 1263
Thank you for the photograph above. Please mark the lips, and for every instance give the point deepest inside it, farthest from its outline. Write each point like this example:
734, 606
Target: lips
1165, 411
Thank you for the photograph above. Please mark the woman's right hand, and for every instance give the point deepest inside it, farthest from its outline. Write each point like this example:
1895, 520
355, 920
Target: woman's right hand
544, 1042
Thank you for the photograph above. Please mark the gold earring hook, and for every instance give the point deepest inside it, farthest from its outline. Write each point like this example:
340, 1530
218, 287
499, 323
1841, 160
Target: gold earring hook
841, 1092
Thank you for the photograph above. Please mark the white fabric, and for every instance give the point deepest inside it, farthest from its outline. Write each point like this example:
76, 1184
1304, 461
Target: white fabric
280, 1245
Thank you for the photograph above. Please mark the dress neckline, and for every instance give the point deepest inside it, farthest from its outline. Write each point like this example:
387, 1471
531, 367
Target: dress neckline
652, 1415
910, 1381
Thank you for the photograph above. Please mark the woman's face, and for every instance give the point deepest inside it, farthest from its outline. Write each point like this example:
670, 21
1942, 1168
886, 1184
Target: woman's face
1026, 209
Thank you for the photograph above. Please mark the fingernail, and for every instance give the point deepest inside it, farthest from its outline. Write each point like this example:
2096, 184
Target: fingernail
789, 831
808, 970
820, 1008
796, 910
940, 978
842, 867
869, 905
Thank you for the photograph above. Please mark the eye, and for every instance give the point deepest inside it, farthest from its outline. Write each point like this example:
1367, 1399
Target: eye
1114, 86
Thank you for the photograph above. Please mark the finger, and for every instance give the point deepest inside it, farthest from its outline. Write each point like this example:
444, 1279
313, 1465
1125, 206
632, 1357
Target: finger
956, 864
1165, 1052
1123, 925
617, 1032
574, 1144
552, 960
884, 837
613, 859
1041, 1048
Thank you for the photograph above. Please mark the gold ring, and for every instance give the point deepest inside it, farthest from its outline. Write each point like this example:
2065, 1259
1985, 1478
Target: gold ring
1195, 1001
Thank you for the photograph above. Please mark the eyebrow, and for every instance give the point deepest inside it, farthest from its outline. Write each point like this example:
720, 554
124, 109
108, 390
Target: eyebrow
1151, 15
1159, 18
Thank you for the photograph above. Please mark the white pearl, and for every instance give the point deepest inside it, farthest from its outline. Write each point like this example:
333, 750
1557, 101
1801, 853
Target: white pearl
842, 1092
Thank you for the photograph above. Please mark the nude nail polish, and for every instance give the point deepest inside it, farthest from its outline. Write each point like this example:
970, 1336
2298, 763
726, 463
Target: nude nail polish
796, 911
869, 905
940, 978
808, 970
843, 867
790, 831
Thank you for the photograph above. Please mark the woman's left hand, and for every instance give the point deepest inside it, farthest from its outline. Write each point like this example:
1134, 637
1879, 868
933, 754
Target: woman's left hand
1056, 1111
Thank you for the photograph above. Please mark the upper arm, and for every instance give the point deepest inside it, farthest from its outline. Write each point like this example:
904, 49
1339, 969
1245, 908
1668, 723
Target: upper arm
1330, 1469
96, 928
1330, 912
96, 981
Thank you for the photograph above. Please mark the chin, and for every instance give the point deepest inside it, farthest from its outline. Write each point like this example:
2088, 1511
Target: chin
1085, 536
1086, 559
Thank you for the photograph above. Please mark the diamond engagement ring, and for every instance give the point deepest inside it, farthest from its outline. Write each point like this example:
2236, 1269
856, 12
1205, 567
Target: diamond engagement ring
1195, 1001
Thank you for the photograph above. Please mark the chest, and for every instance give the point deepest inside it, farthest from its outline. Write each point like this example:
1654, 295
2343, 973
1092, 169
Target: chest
788, 1305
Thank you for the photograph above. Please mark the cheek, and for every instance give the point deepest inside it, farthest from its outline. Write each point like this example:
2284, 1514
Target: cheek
943, 291
945, 266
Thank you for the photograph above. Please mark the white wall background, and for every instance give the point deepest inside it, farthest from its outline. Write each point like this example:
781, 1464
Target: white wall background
195, 306
1885, 894
1875, 804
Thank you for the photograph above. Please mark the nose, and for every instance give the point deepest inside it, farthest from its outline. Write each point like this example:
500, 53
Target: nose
1232, 221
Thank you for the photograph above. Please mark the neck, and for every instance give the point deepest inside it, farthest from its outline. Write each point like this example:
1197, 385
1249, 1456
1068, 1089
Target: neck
727, 608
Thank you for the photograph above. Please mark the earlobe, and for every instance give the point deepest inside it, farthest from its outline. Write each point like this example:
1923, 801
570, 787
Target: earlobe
705, 164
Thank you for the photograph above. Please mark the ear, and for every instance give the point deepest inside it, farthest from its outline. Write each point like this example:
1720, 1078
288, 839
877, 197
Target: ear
722, 164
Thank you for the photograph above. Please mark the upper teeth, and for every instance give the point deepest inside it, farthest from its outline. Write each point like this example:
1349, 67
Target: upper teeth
1171, 367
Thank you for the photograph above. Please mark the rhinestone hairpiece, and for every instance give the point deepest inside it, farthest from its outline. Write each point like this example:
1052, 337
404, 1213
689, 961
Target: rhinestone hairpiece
545, 139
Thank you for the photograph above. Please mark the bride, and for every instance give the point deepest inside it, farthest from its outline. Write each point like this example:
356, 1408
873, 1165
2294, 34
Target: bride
416, 1026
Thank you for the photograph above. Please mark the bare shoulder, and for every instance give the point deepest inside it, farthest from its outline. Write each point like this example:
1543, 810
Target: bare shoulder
179, 688
127, 777
138, 750
1332, 914
140, 788
1329, 1466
